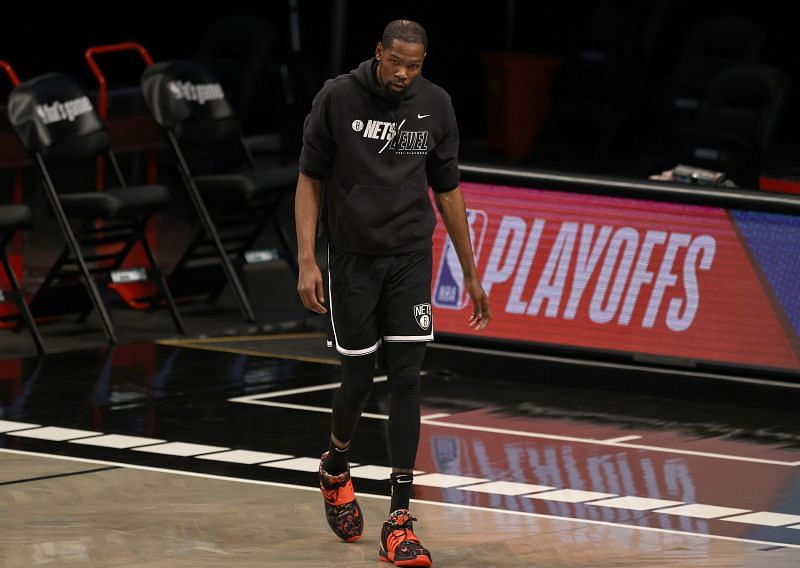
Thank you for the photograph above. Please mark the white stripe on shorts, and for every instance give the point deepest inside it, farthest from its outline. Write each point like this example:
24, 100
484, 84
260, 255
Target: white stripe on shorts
339, 348
352, 352
408, 337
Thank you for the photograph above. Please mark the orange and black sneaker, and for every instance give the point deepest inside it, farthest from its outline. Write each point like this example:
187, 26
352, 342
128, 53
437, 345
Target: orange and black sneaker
399, 544
341, 508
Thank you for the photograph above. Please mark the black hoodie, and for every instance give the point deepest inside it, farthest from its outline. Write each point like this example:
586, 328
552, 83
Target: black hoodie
377, 153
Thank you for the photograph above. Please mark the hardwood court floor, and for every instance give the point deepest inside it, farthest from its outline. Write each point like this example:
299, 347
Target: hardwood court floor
172, 455
83, 514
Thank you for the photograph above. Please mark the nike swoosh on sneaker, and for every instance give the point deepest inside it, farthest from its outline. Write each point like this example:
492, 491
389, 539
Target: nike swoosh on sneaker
422, 115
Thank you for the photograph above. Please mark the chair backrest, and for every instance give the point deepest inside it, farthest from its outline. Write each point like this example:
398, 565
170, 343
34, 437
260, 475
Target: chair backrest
184, 96
745, 100
53, 116
715, 43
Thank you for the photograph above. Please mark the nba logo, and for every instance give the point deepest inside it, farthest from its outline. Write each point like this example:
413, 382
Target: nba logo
449, 290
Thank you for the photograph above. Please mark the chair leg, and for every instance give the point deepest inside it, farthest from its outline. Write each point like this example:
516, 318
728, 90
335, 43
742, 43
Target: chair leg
208, 225
24, 310
69, 235
238, 266
162, 286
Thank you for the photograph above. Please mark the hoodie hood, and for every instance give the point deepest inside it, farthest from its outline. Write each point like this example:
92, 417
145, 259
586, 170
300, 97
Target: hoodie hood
377, 156
366, 76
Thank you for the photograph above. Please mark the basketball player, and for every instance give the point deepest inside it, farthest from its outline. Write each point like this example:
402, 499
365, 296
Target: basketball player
374, 141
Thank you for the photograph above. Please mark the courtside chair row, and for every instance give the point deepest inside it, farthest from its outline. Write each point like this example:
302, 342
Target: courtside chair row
58, 125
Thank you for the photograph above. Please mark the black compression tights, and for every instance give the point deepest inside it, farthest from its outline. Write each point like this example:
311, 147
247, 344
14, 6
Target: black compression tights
405, 362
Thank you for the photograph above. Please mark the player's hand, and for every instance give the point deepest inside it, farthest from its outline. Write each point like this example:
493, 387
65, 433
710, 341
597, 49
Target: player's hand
309, 286
481, 311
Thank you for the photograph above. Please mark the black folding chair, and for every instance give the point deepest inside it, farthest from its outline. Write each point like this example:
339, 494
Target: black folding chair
57, 123
14, 218
234, 204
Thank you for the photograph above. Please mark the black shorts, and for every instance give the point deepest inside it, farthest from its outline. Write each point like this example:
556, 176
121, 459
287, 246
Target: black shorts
378, 298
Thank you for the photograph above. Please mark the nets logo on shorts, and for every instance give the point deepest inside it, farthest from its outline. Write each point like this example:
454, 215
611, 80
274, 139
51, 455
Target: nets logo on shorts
422, 313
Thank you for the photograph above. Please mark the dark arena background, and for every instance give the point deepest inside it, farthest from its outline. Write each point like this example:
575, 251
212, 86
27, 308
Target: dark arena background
631, 172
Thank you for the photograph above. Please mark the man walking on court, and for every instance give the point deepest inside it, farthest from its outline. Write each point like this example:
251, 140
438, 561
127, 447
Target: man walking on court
374, 141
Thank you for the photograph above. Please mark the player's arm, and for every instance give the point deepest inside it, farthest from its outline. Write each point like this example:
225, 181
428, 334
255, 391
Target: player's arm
306, 213
454, 214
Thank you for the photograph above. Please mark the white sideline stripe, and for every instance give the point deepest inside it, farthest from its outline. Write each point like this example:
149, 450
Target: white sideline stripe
445, 480
435, 416
635, 503
244, 456
153, 445
621, 439
702, 511
10, 426
765, 518
256, 397
422, 501
570, 495
289, 392
180, 449
614, 442
323, 409
118, 441
506, 488
54, 433
296, 464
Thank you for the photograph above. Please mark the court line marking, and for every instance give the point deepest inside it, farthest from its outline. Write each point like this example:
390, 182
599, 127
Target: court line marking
436, 415
56, 476
511, 488
567, 495
617, 442
117, 441
423, 501
622, 439
431, 420
253, 353
181, 449
632, 503
321, 409
611, 365
13, 425
55, 433
699, 511
604, 443
764, 518
234, 338
259, 400
201, 343
300, 390
434, 479
246, 457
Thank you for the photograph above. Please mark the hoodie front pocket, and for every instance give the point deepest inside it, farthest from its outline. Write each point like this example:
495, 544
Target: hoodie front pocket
381, 218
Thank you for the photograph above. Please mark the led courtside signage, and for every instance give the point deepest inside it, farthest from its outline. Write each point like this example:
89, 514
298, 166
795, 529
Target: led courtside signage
683, 281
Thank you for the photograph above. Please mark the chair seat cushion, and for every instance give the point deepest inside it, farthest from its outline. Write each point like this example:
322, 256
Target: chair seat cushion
15, 217
248, 184
120, 201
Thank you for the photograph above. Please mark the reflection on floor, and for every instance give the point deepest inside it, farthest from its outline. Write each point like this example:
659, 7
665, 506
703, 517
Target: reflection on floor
169, 454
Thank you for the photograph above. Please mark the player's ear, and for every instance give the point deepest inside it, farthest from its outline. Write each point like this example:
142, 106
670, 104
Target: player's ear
378, 51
